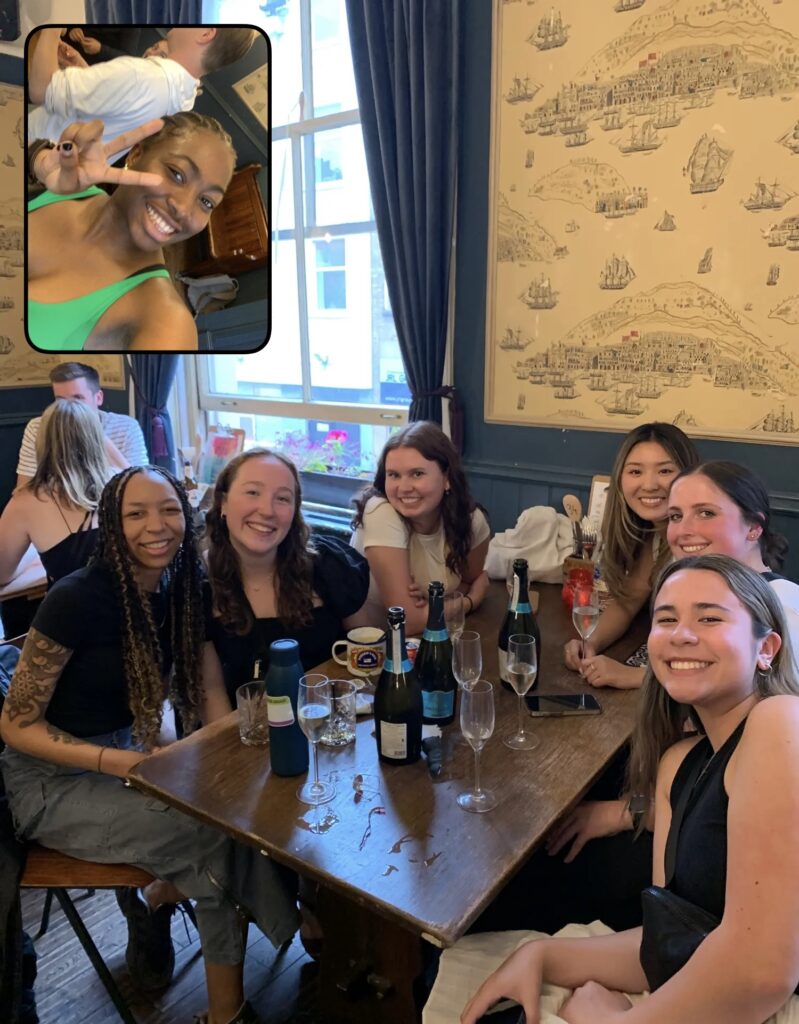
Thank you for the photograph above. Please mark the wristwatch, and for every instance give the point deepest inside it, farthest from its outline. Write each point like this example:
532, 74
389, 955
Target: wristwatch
638, 806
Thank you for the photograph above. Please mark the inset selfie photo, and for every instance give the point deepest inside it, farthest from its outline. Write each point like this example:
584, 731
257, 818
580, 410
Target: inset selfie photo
148, 188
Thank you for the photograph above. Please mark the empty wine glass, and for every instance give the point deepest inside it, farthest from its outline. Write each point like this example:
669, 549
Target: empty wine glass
313, 714
585, 613
477, 725
467, 658
521, 671
454, 615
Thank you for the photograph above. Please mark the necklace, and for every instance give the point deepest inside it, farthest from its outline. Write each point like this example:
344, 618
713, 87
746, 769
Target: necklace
249, 585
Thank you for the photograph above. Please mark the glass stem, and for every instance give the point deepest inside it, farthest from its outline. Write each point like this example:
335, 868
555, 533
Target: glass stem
315, 765
521, 715
477, 790
582, 648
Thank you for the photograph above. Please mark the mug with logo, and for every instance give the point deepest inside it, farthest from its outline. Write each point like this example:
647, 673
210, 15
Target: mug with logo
365, 650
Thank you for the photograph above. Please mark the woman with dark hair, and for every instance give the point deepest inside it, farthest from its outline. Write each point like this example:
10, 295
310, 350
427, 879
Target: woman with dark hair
723, 508
269, 579
718, 654
106, 647
417, 523
634, 547
56, 511
96, 276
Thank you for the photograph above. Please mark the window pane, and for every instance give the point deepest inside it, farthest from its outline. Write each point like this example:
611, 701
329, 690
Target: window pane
333, 79
339, 179
282, 186
282, 23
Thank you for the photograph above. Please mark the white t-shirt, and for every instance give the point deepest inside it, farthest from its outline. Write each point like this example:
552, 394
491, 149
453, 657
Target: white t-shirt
384, 527
124, 431
123, 93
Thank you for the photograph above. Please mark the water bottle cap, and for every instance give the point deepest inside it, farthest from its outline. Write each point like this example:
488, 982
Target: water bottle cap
396, 614
519, 564
284, 652
435, 587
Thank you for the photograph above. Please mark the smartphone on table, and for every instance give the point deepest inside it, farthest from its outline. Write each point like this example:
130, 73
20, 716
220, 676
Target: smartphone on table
550, 705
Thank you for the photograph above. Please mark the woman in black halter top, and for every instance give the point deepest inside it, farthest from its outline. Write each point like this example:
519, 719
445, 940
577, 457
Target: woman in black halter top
717, 656
56, 510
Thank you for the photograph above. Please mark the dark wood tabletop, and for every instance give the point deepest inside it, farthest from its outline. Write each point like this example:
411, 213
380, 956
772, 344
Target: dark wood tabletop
403, 848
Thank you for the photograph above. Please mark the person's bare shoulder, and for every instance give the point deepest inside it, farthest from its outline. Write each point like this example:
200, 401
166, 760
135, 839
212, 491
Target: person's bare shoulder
164, 322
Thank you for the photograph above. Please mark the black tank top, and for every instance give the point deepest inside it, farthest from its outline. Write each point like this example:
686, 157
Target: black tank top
700, 864
71, 553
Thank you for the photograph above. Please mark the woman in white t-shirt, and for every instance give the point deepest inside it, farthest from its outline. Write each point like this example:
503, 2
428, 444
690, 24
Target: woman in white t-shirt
418, 522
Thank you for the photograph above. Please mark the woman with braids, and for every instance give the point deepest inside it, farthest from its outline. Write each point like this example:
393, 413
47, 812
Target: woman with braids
56, 511
96, 273
107, 646
417, 523
269, 580
729, 794
634, 547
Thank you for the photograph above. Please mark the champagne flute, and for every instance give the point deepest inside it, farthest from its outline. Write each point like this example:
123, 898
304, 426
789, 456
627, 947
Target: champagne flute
585, 614
313, 713
454, 615
467, 658
521, 671
477, 725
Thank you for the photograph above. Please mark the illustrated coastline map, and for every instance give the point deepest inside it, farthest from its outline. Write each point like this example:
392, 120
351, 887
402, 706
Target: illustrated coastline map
644, 241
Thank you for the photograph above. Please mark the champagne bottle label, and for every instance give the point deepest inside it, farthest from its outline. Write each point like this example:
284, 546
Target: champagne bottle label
394, 740
503, 665
279, 711
435, 635
438, 703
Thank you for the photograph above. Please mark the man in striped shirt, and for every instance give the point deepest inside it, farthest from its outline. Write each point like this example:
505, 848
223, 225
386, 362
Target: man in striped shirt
124, 440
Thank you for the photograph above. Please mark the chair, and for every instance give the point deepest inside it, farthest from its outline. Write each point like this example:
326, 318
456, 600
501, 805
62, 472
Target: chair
57, 873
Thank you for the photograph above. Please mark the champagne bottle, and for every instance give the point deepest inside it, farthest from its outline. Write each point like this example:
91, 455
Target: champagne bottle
434, 663
398, 699
288, 747
519, 619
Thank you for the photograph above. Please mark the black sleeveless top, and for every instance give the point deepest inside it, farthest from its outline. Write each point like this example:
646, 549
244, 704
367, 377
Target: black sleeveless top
700, 864
71, 553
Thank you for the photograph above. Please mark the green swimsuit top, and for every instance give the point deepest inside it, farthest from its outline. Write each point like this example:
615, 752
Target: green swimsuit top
65, 326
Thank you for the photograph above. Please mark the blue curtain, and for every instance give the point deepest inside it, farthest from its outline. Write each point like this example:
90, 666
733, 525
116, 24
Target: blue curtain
143, 12
405, 58
153, 376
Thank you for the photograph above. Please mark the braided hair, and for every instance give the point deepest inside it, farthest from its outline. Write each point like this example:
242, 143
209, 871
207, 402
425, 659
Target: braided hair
142, 655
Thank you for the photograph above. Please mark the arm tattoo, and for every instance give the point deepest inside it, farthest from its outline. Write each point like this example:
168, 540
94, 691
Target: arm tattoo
40, 665
63, 737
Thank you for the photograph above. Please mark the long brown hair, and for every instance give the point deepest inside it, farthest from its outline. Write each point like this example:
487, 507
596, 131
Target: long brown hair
294, 564
624, 532
660, 719
456, 507
142, 657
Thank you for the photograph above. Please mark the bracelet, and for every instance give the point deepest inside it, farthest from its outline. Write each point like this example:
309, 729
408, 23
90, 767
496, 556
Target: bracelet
471, 604
100, 758
34, 149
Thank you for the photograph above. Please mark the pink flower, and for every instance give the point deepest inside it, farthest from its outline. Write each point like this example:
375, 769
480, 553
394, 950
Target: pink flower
336, 435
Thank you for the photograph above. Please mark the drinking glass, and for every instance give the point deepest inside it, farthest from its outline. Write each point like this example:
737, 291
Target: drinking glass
585, 613
313, 713
521, 670
467, 658
454, 615
477, 725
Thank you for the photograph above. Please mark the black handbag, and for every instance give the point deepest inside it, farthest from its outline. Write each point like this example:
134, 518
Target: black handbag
673, 927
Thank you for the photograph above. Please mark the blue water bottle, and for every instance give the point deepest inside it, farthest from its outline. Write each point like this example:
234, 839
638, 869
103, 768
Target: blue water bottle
288, 747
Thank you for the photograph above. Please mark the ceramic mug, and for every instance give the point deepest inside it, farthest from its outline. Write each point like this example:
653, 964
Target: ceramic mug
366, 650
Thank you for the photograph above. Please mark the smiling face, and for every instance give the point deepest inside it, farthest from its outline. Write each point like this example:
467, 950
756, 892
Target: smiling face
259, 507
702, 646
704, 520
153, 525
415, 487
195, 169
646, 478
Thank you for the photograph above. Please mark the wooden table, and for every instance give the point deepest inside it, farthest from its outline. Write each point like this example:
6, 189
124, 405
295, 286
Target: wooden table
403, 861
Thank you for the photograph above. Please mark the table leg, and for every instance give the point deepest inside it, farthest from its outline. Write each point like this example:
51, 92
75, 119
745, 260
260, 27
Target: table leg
370, 969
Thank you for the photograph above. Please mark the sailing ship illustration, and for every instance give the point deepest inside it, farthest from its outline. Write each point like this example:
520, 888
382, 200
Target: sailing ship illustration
779, 422
666, 222
707, 164
551, 32
767, 197
773, 274
566, 391
529, 123
649, 388
540, 294
578, 139
529, 159
616, 274
572, 226
6, 302
537, 377
778, 234
521, 401
9, 161
598, 381
547, 126
706, 263
791, 139
6, 269
667, 116
6, 344
628, 5
512, 341
612, 121
793, 239
522, 90
624, 403
642, 140
570, 125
